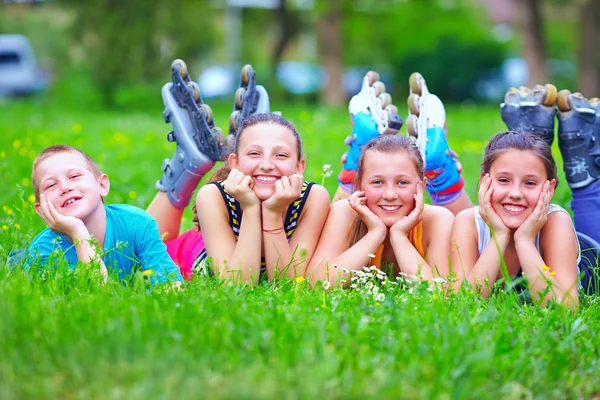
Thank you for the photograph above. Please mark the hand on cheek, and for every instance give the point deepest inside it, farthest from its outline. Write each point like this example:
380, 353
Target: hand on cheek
536, 220
407, 223
287, 189
67, 225
240, 185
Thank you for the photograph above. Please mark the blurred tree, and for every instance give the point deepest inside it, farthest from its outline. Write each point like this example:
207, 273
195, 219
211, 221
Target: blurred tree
128, 42
530, 25
330, 50
588, 43
289, 24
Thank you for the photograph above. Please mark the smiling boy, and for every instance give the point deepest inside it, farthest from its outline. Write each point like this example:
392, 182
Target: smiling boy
69, 191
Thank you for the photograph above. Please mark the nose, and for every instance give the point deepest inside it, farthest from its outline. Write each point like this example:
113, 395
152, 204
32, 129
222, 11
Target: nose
390, 193
266, 164
515, 192
65, 186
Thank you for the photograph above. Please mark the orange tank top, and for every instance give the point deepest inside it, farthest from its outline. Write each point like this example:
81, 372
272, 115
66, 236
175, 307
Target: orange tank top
415, 236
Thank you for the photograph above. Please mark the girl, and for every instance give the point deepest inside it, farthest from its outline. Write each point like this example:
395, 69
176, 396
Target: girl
516, 224
263, 219
385, 216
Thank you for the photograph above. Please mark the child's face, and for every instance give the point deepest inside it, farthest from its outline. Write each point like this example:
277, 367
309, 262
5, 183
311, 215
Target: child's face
66, 180
389, 181
518, 178
266, 152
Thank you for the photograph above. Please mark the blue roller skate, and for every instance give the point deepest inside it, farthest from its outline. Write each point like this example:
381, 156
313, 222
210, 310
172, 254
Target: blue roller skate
532, 111
250, 99
199, 142
372, 114
427, 123
579, 137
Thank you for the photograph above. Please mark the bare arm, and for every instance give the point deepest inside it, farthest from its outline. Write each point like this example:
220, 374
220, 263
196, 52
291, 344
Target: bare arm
239, 260
333, 250
292, 257
559, 264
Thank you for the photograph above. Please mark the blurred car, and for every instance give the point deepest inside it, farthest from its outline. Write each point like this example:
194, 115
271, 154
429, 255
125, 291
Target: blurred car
296, 77
18, 68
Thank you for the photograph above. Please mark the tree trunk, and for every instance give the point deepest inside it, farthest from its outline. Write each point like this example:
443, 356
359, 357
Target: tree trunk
330, 53
289, 26
530, 26
588, 41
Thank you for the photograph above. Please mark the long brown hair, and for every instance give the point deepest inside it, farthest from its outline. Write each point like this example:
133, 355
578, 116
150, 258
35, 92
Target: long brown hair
383, 144
234, 144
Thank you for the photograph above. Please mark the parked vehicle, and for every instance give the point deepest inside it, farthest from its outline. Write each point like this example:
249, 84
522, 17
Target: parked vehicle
18, 68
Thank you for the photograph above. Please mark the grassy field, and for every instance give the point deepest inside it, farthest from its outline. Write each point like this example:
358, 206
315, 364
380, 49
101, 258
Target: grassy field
72, 339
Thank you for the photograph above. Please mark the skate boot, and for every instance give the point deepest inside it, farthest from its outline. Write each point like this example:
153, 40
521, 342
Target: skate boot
427, 123
199, 142
372, 114
526, 110
250, 99
579, 137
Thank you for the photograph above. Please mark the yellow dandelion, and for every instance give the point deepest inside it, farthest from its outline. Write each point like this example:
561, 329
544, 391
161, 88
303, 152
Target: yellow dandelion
76, 128
17, 144
552, 273
147, 272
3, 155
9, 211
545, 267
132, 194
25, 182
17, 226
31, 198
5, 227
299, 279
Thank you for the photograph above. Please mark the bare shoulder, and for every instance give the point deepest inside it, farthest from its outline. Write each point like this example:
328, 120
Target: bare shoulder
465, 217
436, 215
318, 195
209, 199
341, 208
558, 220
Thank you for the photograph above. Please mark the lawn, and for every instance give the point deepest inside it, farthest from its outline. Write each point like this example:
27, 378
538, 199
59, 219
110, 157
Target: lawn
69, 338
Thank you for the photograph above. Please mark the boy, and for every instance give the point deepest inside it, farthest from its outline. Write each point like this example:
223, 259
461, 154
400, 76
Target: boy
69, 191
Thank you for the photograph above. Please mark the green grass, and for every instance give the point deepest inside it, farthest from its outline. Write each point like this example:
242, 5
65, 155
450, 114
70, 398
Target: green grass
66, 338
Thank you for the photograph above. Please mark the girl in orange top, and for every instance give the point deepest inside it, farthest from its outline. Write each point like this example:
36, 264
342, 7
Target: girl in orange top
386, 216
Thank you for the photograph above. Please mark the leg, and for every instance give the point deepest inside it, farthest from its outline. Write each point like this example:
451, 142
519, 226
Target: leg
427, 123
198, 145
589, 265
371, 113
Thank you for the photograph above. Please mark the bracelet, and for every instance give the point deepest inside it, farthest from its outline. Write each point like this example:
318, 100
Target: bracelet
273, 231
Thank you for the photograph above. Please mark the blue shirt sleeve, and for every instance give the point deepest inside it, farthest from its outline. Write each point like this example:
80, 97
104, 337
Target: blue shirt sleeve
50, 248
156, 263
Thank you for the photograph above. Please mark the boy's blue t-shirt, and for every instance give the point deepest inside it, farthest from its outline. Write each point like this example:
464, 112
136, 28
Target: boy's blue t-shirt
132, 242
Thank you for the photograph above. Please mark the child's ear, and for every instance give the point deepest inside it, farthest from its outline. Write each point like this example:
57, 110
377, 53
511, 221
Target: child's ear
104, 185
301, 166
37, 208
232, 161
552, 185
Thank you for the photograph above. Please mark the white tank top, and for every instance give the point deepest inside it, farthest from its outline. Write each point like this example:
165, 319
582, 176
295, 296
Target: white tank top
484, 234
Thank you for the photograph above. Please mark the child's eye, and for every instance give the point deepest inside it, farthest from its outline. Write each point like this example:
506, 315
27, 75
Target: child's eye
530, 183
253, 153
282, 155
75, 176
50, 185
402, 182
503, 180
376, 182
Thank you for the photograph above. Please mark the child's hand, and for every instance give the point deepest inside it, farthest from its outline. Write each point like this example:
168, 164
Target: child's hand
485, 208
536, 220
407, 223
358, 202
67, 225
239, 185
287, 189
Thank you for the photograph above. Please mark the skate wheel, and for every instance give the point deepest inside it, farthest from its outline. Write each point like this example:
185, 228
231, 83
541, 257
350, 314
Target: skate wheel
373, 77
578, 95
594, 101
233, 121
413, 104
392, 109
246, 73
220, 136
208, 112
195, 90
379, 88
415, 83
239, 97
182, 67
411, 125
386, 100
550, 95
562, 100
524, 89
512, 95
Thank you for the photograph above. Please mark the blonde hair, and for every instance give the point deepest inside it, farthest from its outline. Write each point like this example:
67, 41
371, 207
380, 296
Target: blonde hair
57, 149
384, 144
